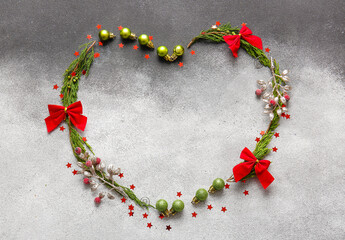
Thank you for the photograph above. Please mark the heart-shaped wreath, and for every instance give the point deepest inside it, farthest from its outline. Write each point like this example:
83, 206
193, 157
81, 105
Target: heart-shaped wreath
273, 92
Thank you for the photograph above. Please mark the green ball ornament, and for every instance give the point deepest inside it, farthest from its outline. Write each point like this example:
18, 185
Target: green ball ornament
161, 205
162, 51
178, 50
178, 205
218, 183
125, 33
143, 39
201, 194
104, 35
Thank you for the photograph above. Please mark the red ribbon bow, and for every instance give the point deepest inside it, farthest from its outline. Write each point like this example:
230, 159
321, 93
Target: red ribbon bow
234, 41
58, 114
243, 169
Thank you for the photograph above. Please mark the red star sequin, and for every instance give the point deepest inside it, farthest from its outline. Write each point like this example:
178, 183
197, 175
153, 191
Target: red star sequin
209, 207
194, 214
61, 95
55, 87
99, 26
132, 187
180, 64
145, 215
120, 28
131, 213
168, 228
161, 216
283, 115
243, 24
246, 192
131, 207
243, 181
96, 55
121, 45
147, 56
203, 33
287, 116
76, 53
192, 52
75, 172
121, 175
227, 186
276, 135
68, 165
151, 38
149, 225
89, 37
179, 194
62, 128
217, 23
262, 133
224, 209
84, 139
123, 200
83, 72
257, 139
100, 44
274, 149
135, 47
73, 74
267, 49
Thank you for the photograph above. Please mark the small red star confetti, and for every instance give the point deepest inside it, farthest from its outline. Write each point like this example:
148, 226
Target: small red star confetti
244, 181
145, 215
131, 214
99, 26
151, 38
283, 115
147, 56
121, 175
62, 128
168, 228
209, 207
121, 45
96, 55
75, 172
89, 37
192, 52
180, 64
76, 53
120, 28
246, 192
135, 47
68, 165
123, 200
61, 95
161, 216
55, 86
262, 132
84, 139
100, 44
217, 23
287, 116
203, 33
131, 207
267, 49
83, 72
276, 135
257, 139
149, 225
73, 74
224, 209
244, 24
274, 149
132, 187
227, 186
194, 214
179, 194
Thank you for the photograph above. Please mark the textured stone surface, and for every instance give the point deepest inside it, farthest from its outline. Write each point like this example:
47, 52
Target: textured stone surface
169, 128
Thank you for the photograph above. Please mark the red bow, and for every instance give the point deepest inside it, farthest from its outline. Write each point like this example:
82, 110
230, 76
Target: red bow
58, 113
234, 41
243, 169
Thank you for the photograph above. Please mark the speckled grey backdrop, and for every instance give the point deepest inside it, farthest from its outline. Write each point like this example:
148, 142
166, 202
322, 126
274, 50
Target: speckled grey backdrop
172, 129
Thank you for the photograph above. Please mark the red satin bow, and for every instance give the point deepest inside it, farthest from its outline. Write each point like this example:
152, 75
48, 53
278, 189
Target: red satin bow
58, 114
243, 169
234, 41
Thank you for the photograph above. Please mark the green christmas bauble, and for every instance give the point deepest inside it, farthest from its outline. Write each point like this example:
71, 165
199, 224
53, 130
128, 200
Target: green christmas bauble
104, 35
161, 205
201, 194
178, 205
162, 51
218, 183
178, 50
125, 33
143, 39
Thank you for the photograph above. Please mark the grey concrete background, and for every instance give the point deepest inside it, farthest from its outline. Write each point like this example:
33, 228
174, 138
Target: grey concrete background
172, 129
